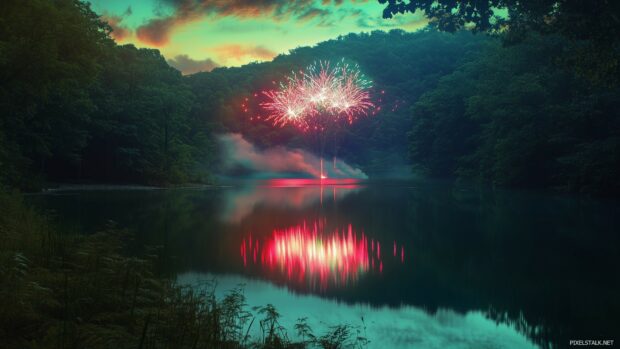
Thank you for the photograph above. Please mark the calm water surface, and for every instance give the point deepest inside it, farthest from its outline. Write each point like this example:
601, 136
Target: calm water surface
423, 265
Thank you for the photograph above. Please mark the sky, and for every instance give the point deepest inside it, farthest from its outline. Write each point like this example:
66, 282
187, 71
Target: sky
199, 35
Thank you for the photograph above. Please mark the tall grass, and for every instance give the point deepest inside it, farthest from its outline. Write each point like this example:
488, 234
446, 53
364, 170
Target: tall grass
60, 291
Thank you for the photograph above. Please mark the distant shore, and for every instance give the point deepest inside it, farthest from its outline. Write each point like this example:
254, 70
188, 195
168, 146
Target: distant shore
100, 186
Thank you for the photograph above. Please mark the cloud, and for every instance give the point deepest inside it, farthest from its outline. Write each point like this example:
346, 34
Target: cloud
313, 13
241, 8
408, 22
324, 13
157, 31
188, 65
119, 31
238, 52
328, 2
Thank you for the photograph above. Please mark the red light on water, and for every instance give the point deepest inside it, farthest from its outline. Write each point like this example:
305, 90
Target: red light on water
313, 255
351, 183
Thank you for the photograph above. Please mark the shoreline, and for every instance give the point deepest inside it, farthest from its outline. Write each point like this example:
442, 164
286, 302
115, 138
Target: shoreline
107, 187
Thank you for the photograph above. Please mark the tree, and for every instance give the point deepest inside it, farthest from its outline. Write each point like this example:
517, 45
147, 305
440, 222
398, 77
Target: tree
144, 129
593, 26
576, 19
402, 66
512, 117
76, 106
48, 58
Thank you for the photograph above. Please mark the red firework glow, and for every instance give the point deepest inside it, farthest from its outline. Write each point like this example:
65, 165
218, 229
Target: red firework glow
306, 254
338, 92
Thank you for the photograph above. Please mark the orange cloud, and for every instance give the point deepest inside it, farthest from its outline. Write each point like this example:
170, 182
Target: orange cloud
119, 31
313, 13
156, 32
238, 52
188, 65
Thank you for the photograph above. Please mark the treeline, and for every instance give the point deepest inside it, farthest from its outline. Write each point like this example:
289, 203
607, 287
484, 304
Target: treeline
74, 106
521, 113
532, 112
521, 116
401, 65
528, 110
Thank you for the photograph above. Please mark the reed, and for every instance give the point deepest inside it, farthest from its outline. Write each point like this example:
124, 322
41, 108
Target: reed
62, 291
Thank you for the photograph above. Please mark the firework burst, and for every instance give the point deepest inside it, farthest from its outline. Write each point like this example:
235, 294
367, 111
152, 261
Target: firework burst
319, 94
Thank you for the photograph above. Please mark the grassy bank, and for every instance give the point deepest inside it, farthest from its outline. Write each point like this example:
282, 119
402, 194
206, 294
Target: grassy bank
60, 291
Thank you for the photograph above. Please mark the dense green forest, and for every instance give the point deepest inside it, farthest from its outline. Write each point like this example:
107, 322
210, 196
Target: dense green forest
517, 116
403, 66
531, 100
530, 110
77, 106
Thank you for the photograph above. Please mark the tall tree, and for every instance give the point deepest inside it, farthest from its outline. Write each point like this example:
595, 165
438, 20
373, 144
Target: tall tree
593, 26
48, 58
511, 116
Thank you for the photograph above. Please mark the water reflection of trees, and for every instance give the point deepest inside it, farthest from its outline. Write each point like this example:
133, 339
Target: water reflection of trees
541, 263
544, 264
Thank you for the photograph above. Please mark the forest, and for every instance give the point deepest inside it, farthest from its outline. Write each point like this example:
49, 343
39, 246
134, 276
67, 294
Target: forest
527, 97
528, 108
77, 106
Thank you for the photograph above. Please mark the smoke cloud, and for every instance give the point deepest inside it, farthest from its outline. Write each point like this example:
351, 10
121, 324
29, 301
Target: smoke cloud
243, 158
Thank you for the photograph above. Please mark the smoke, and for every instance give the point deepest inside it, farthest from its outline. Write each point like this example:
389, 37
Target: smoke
240, 157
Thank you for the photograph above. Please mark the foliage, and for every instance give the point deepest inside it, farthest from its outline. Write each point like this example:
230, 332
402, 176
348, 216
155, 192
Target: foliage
44, 69
513, 117
574, 18
86, 292
144, 129
402, 66
593, 27
75, 106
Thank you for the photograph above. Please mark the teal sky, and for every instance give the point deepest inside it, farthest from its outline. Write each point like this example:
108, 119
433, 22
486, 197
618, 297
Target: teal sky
197, 35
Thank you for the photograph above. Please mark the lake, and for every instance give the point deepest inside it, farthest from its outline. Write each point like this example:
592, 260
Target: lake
410, 264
